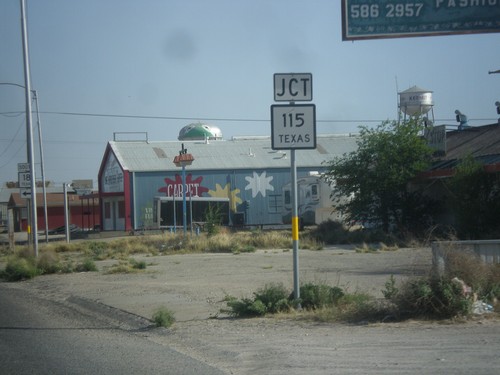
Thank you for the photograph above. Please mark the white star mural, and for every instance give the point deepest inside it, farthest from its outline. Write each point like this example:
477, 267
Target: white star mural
259, 184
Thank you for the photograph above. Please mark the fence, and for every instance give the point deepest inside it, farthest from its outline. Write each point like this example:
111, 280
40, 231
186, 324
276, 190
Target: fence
487, 250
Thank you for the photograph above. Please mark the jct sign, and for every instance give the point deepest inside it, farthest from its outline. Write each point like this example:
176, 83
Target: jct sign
293, 87
293, 126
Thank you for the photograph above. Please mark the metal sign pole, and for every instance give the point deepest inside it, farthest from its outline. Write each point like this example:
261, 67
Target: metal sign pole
184, 213
66, 213
293, 127
295, 227
29, 130
42, 168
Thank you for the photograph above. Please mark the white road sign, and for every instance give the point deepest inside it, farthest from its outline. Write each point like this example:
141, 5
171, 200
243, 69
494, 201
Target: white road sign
292, 87
293, 126
23, 167
24, 179
25, 193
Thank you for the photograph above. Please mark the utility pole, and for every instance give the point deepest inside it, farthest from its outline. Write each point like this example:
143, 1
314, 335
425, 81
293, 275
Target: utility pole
29, 129
42, 167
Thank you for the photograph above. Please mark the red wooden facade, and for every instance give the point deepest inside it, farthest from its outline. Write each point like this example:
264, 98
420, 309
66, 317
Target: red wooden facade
83, 211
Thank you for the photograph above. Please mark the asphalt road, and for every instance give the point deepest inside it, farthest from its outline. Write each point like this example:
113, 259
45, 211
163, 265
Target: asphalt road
38, 336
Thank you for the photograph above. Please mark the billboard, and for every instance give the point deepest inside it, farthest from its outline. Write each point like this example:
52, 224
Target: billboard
370, 19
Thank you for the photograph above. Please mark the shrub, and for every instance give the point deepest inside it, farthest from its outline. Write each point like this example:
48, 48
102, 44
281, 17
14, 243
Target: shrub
390, 290
18, 268
315, 296
139, 265
213, 219
163, 317
88, 265
274, 297
271, 299
470, 268
432, 297
357, 306
97, 250
245, 307
49, 262
491, 291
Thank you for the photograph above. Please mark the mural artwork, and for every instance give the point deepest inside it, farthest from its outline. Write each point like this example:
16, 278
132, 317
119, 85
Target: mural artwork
259, 184
174, 188
226, 192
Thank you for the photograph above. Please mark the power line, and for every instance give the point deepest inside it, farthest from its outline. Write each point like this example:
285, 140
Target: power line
148, 117
222, 118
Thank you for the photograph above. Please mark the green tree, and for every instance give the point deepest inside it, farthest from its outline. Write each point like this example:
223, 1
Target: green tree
375, 176
475, 199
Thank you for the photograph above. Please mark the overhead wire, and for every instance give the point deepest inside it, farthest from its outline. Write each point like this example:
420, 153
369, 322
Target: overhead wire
148, 117
11, 141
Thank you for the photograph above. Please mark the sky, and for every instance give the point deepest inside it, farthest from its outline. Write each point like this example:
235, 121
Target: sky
105, 69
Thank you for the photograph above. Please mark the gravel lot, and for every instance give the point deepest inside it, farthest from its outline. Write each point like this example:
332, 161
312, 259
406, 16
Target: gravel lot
193, 287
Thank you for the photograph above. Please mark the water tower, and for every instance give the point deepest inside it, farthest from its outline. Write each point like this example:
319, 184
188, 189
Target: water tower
199, 132
416, 102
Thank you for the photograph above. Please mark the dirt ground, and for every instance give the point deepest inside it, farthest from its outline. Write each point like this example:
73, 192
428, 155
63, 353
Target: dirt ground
194, 286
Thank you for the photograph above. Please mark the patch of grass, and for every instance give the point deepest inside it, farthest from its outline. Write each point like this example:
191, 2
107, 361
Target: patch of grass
129, 265
163, 317
390, 290
366, 249
438, 298
316, 296
48, 262
271, 299
97, 250
88, 265
319, 302
248, 249
20, 268
138, 264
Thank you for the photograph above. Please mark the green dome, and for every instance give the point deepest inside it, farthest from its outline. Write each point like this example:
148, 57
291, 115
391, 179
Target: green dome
199, 131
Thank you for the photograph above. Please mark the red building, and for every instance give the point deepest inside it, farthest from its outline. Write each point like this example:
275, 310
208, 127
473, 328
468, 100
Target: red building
83, 211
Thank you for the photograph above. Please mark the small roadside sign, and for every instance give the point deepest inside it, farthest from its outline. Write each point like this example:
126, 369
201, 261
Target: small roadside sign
292, 87
293, 126
24, 179
23, 167
25, 193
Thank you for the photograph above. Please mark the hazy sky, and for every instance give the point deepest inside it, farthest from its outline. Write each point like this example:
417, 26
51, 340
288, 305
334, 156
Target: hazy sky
157, 65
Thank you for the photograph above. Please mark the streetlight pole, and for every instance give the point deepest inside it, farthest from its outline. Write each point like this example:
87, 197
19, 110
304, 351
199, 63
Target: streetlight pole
40, 145
29, 128
42, 168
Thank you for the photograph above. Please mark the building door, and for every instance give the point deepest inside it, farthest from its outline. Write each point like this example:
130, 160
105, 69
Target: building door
114, 213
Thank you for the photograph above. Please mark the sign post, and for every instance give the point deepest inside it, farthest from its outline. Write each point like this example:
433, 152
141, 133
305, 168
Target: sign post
182, 160
293, 127
24, 180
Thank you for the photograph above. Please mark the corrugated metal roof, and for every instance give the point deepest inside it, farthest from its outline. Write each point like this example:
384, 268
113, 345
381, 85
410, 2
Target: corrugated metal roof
482, 142
238, 153
478, 141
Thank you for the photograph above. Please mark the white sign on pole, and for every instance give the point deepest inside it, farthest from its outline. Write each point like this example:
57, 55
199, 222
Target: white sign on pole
24, 179
292, 87
23, 167
25, 193
293, 126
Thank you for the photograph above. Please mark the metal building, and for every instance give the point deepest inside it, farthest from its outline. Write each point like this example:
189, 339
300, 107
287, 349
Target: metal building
138, 178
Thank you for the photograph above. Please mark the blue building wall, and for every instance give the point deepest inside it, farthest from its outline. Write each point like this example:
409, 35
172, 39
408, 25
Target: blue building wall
257, 193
